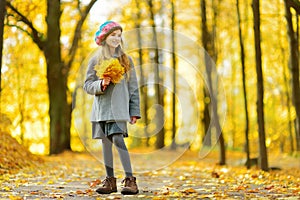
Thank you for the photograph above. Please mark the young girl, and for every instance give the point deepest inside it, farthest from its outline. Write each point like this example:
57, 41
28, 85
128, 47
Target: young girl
114, 105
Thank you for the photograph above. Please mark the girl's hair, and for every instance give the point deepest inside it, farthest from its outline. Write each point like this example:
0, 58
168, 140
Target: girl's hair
119, 53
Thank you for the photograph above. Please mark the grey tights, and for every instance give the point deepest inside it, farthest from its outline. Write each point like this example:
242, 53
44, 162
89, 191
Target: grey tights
118, 141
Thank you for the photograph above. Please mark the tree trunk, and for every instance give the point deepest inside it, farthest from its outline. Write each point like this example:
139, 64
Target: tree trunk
207, 101
208, 45
215, 108
297, 38
294, 67
247, 148
260, 89
206, 118
2, 17
286, 94
57, 81
143, 84
174, 113
160, 137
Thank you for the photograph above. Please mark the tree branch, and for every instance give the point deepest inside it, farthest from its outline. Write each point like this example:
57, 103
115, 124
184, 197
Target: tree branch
20, 28
78, 7
77, 33
35, 35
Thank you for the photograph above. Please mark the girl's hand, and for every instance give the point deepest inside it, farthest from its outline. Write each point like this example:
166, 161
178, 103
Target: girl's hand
105, 82
133, 119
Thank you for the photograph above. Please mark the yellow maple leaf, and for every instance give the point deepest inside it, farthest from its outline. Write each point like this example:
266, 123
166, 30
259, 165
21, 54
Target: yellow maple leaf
110, 68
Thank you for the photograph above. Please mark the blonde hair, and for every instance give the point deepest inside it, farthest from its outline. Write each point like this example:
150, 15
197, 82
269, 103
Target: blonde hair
105, 54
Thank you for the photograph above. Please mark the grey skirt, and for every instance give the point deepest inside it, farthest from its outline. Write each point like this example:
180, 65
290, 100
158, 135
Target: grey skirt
107, 128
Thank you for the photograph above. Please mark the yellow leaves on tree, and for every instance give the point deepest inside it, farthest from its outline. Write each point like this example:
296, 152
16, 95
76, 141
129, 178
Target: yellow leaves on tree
110, 68
13, 155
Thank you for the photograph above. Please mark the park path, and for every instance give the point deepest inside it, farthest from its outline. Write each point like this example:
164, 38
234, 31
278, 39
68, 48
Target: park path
76, 175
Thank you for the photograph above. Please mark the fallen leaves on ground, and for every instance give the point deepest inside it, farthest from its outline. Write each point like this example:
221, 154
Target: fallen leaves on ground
77, 175
14, 156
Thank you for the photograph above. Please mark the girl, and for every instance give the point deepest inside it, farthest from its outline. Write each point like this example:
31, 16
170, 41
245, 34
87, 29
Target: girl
114, 105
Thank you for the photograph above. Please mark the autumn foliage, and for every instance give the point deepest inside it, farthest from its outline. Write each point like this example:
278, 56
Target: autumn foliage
110, 68
14, 156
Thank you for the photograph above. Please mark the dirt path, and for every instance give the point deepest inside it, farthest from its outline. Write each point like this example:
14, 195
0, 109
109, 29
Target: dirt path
75, 176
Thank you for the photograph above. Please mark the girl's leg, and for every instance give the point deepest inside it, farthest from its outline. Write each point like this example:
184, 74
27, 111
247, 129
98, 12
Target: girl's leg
108, 156
118, 141
109, 184
130, 186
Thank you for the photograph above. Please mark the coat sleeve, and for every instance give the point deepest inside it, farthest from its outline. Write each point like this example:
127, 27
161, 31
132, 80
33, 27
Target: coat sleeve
92, 84
134, 97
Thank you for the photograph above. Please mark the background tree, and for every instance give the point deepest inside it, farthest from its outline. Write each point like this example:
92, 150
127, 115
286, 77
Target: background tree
260, 89
242, 54
294, 66
286, 91
208, 44
2, 17
174, 78
159, 94
206, 100
57, 68
143, 82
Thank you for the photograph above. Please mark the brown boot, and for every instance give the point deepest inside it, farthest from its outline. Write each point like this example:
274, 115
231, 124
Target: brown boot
130, 186
109, 185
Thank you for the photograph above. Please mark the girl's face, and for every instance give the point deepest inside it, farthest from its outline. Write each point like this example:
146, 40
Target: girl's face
114, 39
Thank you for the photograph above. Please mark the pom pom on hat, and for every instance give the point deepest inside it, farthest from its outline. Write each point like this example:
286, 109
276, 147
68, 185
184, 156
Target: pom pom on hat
104, 30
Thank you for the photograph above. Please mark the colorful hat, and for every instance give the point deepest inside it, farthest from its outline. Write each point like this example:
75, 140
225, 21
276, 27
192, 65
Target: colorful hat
104, 30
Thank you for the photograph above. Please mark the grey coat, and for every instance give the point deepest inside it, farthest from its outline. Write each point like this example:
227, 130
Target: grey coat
118, 102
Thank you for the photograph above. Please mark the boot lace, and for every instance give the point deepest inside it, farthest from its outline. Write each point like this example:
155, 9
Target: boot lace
106, 182
128, 182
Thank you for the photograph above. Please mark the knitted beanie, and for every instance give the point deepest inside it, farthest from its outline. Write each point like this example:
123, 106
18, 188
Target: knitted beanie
104, 30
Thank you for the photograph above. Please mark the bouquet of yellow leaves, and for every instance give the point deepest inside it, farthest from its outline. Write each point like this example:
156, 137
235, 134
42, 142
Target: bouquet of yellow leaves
110, 68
